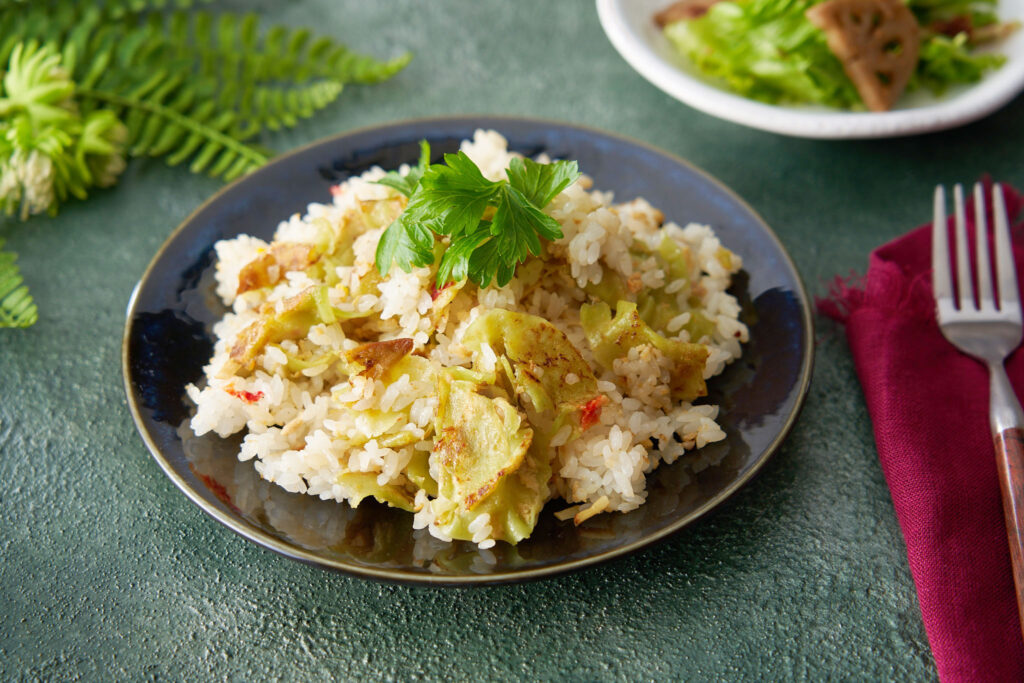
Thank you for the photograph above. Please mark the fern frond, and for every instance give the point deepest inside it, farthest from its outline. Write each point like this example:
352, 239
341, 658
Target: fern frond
85, 84
112, 7
228, 46
17, 309
230, 153
276, 108
190, 85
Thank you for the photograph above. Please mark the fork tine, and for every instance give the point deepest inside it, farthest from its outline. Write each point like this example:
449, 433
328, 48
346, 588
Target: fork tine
940, 248
984, 274
965, 290
1005, 270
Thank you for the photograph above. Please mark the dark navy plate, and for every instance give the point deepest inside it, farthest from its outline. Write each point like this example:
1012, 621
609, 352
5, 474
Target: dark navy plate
167, 341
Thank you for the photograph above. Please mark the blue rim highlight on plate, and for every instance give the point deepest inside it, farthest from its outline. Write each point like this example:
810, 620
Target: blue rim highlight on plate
167, 341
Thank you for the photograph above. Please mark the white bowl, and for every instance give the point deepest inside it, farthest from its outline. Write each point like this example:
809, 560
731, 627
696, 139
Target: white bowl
631, 29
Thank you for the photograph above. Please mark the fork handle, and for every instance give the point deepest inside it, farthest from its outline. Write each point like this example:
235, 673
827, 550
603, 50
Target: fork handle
1008, 434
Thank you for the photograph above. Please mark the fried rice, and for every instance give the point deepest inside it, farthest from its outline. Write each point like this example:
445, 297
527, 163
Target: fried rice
318, 421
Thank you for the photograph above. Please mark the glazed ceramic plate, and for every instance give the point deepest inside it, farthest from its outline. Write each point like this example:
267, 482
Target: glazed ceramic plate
168, 340
631, 29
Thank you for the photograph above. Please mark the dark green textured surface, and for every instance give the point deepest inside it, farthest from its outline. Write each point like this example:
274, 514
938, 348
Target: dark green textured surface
107, 571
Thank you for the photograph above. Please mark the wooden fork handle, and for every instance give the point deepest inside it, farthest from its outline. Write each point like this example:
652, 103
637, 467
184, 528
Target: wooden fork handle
1010, 460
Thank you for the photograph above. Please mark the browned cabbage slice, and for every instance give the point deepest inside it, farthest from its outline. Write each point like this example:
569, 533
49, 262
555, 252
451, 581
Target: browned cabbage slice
377, 357
269, 267
540, 358
612, 338
290, 319
482, 453
364, 485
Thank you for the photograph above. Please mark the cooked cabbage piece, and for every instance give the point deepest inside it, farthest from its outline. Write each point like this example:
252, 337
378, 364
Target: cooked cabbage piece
539, 357
291, 320
377, 357
481, 456
612, 338
386, 427
364, 485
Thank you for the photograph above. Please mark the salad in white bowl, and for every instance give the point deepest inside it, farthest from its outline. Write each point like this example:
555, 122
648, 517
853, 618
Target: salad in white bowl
827, 69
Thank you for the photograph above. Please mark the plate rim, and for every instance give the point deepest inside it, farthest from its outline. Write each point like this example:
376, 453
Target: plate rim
978, 101
395, 575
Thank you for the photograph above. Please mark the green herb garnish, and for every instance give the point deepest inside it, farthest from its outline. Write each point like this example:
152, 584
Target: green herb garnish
491, 226
406, 184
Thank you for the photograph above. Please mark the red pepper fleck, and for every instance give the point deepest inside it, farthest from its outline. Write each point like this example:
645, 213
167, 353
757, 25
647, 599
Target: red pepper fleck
247, 396
335, 190
217, 489
591, 412
435, 292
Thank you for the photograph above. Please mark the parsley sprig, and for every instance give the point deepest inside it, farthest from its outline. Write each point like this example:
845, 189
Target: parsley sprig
492, 226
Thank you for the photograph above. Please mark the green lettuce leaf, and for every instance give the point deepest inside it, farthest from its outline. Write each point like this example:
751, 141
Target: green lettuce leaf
980, 12
765, 50
946, 61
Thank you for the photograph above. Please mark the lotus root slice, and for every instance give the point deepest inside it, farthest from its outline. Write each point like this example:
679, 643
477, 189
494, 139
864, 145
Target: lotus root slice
877, 42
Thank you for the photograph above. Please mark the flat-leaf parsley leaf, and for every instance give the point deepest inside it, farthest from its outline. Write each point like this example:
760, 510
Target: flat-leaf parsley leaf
406, 184
492, 226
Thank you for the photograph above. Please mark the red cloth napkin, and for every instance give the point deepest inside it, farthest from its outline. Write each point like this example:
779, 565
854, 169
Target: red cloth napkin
929, 407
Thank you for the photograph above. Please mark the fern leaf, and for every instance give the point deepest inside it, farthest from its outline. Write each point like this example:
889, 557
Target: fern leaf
115, 8
160, 69
205, 156
367, 70
216, 140
284, 55
191, 144
17, 309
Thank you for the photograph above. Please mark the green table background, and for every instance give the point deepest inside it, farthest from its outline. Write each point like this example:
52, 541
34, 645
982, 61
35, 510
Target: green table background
108, 571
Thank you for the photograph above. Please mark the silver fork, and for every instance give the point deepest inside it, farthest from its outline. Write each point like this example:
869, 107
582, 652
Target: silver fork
987, 328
